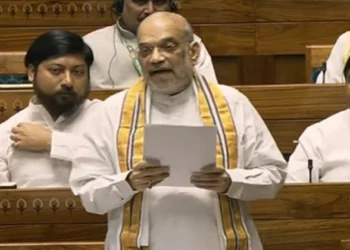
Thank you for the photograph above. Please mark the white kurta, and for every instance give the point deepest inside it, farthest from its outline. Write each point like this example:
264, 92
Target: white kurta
113, 66
335, 61
177, 218
327, 143
42, 169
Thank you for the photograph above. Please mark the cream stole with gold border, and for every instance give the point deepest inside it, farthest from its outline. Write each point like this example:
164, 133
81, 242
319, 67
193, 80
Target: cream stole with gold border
214, 110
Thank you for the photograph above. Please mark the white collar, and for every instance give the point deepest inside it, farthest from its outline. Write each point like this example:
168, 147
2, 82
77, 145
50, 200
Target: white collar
154, 98
126, 34
39, 113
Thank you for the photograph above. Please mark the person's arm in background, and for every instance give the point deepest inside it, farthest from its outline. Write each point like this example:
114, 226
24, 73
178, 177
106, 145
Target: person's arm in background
204, 65
335, 61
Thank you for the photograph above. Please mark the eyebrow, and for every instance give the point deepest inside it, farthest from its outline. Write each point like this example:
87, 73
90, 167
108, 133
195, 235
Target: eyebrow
61, 65
166, 39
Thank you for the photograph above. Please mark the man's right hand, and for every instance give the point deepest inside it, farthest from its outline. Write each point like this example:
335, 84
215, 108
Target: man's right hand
146, 175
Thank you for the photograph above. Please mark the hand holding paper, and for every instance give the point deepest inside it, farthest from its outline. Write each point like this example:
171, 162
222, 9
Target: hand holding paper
212, 178
147, 174
185, 149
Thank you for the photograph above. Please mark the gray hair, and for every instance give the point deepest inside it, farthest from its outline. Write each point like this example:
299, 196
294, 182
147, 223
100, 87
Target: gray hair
188, 33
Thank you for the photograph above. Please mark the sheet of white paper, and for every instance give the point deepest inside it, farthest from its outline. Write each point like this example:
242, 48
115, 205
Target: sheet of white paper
185, 149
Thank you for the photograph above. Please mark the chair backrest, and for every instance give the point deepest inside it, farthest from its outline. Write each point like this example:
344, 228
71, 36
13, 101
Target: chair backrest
53, 246
12, 62
12, 69
315, 56
345, 245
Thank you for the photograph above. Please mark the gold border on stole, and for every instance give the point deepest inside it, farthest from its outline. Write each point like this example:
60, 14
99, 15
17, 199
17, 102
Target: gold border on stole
214, 111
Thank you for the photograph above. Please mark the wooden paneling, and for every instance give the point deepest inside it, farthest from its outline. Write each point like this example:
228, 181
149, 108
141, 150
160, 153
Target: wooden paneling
301, 202
236, 70
297, 101
257, 69
323, 234
12, 101
308, 217
29, 13
54, 246
27, 216
227, 40
267, 38
253, 70
12, 62
57, 232
274, 102
289, 69
302, 10
27, 207
19, 39
315, 56
291, 38
82, 12
286, 109
285, 132
228, 69
345, 245
238, 39
214, 11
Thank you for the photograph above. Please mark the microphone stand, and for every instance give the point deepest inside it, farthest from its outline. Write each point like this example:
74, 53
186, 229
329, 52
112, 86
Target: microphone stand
310, 165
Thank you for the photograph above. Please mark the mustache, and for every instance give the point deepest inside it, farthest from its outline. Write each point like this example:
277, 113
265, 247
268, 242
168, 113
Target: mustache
66, 91
155, 70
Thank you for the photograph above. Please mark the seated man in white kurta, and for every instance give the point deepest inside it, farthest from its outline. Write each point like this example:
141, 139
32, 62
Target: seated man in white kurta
111, 177
326, 144
114, 47
30, 153
336, 61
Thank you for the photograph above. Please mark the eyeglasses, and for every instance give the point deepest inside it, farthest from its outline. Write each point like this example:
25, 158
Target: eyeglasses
168, 47
155, 2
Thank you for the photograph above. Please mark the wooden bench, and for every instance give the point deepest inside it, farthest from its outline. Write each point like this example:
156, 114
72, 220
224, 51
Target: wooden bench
54, 246
12, 69
12, 62
345, 245
315, 56
286, 109
307, 217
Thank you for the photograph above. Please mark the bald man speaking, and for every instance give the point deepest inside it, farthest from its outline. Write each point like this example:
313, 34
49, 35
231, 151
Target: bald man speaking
111, 175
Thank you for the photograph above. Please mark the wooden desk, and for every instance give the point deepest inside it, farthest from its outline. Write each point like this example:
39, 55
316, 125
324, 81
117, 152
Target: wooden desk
286, 109
306, 217
53, 246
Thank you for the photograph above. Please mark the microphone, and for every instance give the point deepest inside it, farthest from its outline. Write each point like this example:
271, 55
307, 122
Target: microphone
309, 161
8, 185
324, 69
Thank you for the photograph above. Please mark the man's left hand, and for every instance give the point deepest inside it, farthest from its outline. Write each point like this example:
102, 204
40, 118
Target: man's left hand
30, 136
212, 178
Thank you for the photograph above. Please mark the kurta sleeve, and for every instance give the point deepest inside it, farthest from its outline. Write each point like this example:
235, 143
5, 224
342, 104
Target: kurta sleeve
261, 167
95, 175
204, 64
63, 145
309, 147
335, 63
5, 144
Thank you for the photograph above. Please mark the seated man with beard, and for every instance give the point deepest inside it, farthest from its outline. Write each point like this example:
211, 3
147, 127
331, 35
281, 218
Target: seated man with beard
35, 147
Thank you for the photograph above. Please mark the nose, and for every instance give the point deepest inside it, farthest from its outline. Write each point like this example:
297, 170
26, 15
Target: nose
157, 57
67, 80
149, 7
